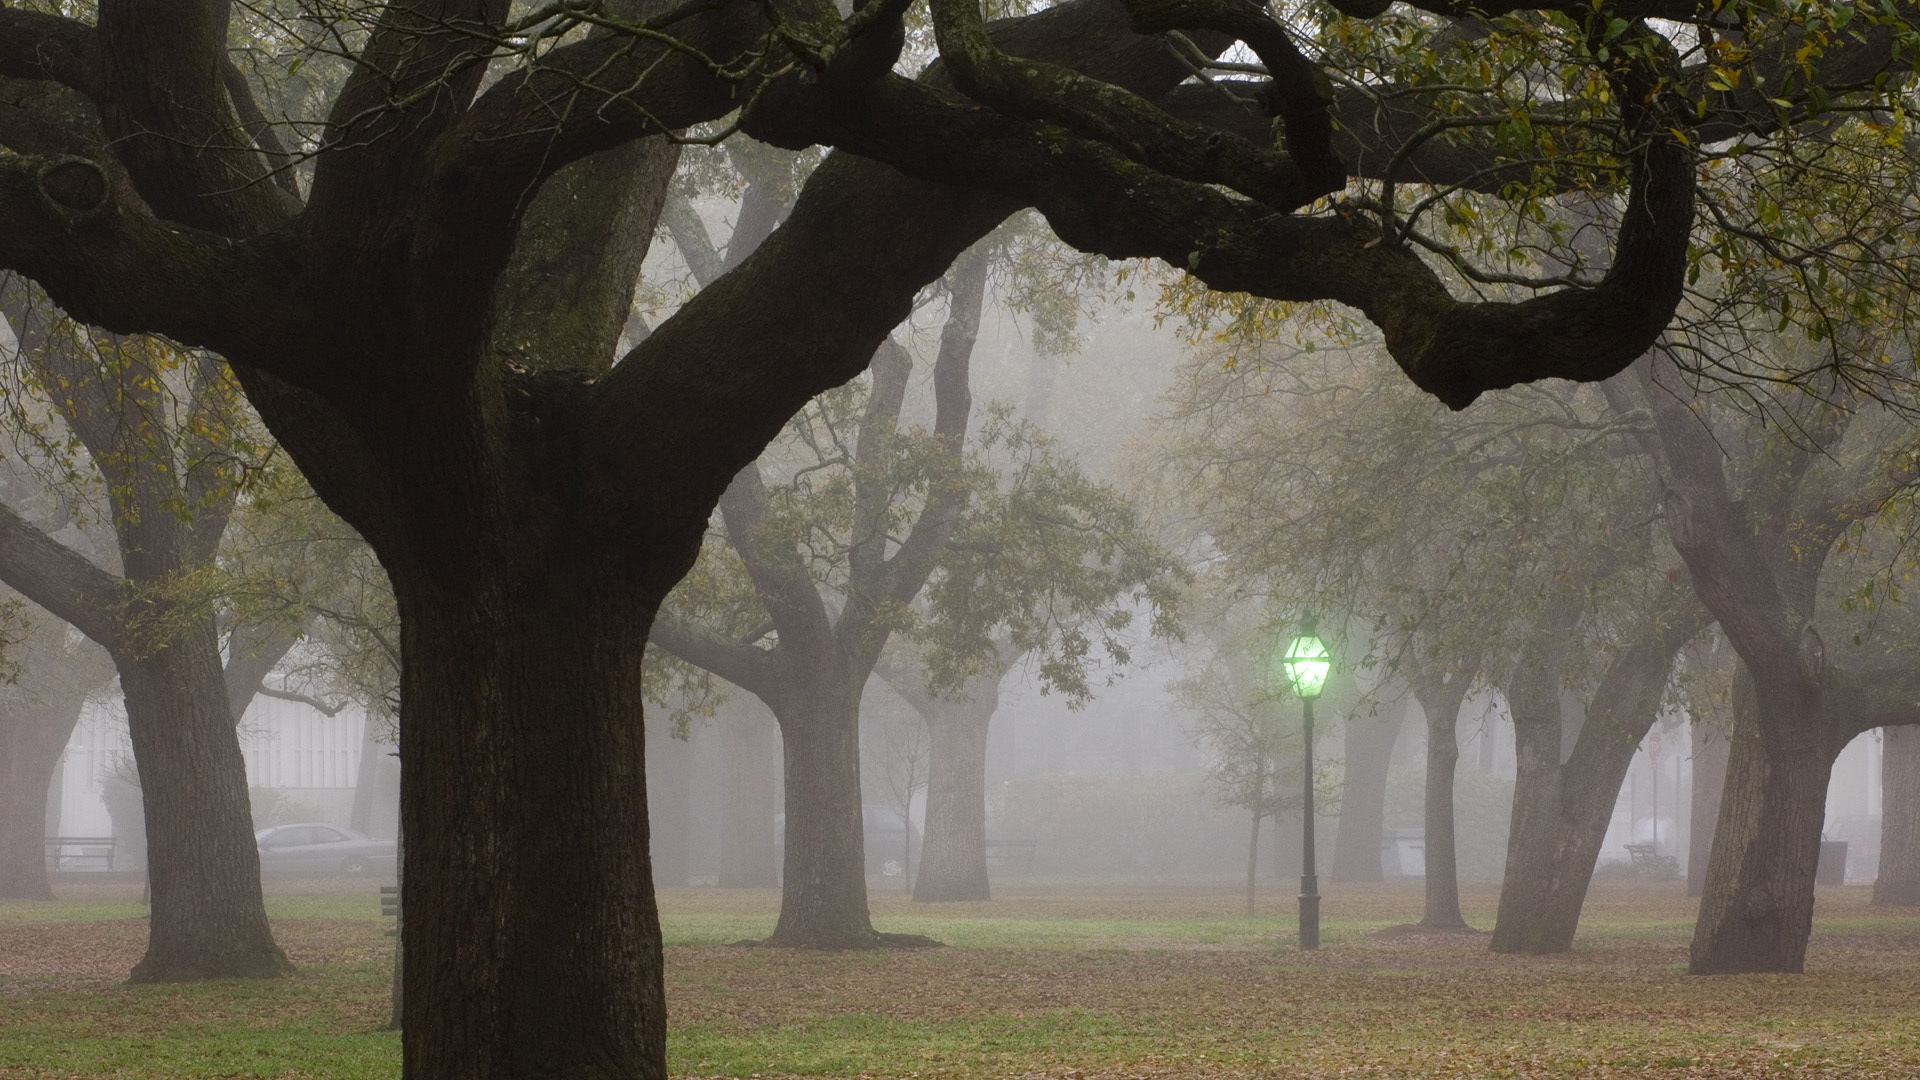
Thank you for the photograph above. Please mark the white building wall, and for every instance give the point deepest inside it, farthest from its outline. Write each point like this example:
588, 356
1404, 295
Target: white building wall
286, 744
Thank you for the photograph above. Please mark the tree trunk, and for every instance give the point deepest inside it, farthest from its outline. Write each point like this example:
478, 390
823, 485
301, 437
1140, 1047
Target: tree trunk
1561, 808
751, 740
1442, 860
366, 780
1363, 797
1710, 748
33, 736
823, 901
669, 791
1528, 891
1898, 883
532, 943
1253, 841
1757, 910
208, 918
953, 856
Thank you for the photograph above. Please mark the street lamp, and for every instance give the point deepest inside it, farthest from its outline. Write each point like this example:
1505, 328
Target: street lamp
1307, 662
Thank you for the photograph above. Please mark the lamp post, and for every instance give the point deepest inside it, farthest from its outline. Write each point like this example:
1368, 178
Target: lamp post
1307, 662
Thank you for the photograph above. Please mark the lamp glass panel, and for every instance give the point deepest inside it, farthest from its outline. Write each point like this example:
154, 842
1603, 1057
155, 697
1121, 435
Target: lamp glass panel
1307, 662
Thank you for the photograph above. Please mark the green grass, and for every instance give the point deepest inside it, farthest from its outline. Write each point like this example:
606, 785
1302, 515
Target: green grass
1052, 978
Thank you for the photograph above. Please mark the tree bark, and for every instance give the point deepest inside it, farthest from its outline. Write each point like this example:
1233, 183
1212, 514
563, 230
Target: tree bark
823, 901
1253, 837
208, 918
33, 737
1710, 749
953, 854
1898, 883
1363, 796
532, 942
752, 746
1440, 699
1757, 910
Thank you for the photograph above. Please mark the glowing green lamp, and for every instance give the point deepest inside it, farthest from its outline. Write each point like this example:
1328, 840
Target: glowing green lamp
1307, 662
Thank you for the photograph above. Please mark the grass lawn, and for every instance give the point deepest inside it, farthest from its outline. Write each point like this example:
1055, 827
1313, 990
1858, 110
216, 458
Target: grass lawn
1059, 978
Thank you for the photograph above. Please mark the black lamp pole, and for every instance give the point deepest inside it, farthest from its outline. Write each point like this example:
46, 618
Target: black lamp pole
1309, 879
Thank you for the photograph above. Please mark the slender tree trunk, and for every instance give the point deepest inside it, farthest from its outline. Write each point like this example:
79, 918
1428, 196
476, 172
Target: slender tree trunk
751, 740
1253, 839
1363, 797
533, 942
1710, 748
366, 777
33, 736
1757, 910
1561, 808
1442, 860
208, 918
823, 902
1898, 883
953, 855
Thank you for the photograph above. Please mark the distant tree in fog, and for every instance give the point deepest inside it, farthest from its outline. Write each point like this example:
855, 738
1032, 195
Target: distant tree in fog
155, 444
1235, 716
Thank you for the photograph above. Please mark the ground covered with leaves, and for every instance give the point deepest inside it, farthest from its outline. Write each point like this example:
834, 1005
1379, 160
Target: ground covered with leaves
1085, 980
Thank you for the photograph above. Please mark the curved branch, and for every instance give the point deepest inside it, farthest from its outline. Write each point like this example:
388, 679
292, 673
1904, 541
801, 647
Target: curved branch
112, 265
751, 669
60, 579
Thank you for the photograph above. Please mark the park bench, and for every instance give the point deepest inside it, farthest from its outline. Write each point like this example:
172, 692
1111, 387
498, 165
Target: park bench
1645, 860
1011, 856
63, 851
390, 907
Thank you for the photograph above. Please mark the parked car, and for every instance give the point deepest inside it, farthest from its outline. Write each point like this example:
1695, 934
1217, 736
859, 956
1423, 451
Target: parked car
885, 840
318, 848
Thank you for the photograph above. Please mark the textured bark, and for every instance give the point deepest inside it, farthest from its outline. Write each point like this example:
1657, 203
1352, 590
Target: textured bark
953, 856
1898, 883
35, 724
1363, 795
1710, 750
1440, 698
532, 943
752, 747
208, 920
823, 902
1561, 808
1755, 563
1757, 910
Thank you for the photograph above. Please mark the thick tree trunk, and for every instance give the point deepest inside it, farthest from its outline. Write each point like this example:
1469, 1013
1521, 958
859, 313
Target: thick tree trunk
1757, 910
1363, 796
208, 919
33, 736
1898, 883
1710, 749
1442, 858
823, 902
953, 858
532, 946
752, 745
1528, 893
